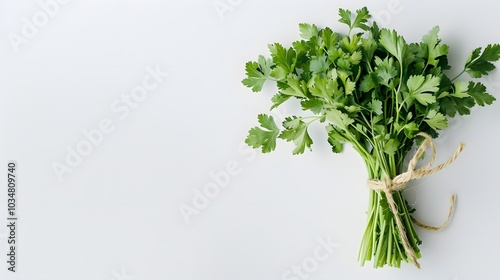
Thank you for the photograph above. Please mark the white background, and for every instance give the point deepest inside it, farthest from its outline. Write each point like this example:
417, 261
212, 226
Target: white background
116, 215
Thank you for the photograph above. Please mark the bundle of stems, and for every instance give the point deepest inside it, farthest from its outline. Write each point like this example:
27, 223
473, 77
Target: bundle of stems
382, 95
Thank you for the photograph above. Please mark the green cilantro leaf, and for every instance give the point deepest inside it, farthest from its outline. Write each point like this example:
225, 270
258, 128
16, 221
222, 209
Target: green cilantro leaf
335, 139
257, 73
296, 87
296, 131
355, 57
283, 57
369, 82
279, 73
478, 92
264, 137
301, 48
436, 120
478, 65
460, 89
376, 106
315, 46
278, 99
450, 106
419, 88
369, 47
434, 49
349, 86
350, 44
385, 71
339, 119
319, 64
322, 87
362, 16
330, 38
411, 129
392, 146
313, 104
393, 43
307, 31
473, 56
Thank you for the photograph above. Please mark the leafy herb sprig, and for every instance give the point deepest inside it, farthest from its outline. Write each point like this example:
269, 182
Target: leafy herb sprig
376, 91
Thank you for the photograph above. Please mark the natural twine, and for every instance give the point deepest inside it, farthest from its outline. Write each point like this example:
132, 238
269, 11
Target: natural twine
399, 182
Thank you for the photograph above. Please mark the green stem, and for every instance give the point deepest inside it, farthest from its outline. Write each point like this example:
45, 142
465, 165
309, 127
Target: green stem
381, 241
457, 76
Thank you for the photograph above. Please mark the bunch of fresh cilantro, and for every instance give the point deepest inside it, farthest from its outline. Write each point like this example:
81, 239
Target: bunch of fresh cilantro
376, 91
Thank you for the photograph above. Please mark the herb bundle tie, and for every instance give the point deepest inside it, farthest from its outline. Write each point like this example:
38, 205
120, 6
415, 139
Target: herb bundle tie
399, 182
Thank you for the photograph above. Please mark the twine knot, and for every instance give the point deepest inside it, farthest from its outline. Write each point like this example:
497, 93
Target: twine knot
388, 186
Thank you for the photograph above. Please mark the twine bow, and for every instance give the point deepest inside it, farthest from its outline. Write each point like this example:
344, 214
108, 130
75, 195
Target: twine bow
388, 186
